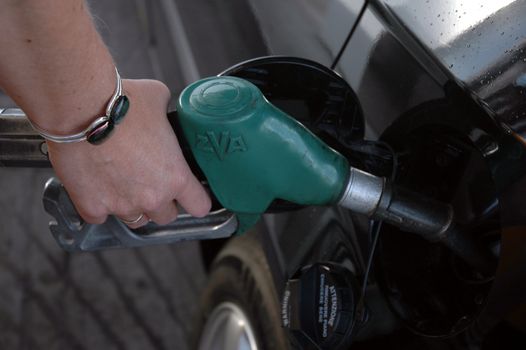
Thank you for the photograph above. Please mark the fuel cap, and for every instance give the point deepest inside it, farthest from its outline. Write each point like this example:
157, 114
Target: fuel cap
319, 305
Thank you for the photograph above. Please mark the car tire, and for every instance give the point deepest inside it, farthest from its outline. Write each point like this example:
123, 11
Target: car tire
239, 306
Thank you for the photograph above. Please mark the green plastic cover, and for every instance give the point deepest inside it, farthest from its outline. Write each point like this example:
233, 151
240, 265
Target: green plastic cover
253, 153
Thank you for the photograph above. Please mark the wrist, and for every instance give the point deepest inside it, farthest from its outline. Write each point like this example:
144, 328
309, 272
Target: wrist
101, 127
149, 101
77, 103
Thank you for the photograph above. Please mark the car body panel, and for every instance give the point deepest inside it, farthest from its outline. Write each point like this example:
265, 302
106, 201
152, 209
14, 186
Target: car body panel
400, 60
314, 30
408, 53
479, 44
386, 77
396, 66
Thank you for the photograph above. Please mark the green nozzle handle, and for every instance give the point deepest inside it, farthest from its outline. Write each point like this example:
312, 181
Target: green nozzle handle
253, 153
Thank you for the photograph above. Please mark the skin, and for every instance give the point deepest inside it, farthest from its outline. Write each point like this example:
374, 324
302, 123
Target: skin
58, 70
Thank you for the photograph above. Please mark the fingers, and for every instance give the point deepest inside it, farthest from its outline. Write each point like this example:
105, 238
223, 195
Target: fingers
92, 213
132, 219
156, 209
192, 196
165, 214
92, 217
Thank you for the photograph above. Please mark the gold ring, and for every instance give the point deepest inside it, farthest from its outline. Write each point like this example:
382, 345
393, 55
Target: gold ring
131, 222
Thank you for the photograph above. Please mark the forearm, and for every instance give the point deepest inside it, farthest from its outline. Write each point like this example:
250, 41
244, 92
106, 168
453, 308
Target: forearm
53, 63
55, 66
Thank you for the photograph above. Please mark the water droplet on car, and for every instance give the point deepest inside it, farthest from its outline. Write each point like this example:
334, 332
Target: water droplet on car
521, 81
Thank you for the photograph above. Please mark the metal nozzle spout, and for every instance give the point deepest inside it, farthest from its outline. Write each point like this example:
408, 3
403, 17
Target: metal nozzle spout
412, 212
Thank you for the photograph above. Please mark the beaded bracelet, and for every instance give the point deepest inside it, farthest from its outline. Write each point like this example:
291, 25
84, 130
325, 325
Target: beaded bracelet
99, 130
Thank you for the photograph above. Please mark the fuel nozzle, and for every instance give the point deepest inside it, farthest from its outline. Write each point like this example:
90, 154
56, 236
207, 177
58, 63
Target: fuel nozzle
253, 153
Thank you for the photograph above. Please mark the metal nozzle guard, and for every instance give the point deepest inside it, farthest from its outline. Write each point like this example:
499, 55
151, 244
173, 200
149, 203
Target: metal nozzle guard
363, 193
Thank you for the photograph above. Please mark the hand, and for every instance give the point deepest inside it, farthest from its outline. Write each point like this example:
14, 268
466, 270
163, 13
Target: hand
139, 169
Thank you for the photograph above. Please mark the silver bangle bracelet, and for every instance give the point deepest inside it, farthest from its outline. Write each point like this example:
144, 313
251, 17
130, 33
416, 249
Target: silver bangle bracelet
101, 127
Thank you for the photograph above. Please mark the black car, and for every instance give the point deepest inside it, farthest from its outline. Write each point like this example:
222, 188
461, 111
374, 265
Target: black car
435, 102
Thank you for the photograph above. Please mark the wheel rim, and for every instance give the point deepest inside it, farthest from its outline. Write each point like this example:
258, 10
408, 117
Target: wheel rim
228, 328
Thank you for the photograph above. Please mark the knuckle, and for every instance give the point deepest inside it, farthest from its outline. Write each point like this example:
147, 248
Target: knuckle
159, 88
164, 89
204, 207
165, 220
182, 181
120, 206
124, 211
93, 214
150, 201
166, 214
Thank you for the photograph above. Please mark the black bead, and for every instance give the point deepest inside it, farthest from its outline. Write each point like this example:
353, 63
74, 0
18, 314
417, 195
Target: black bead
99, 133
120, 108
